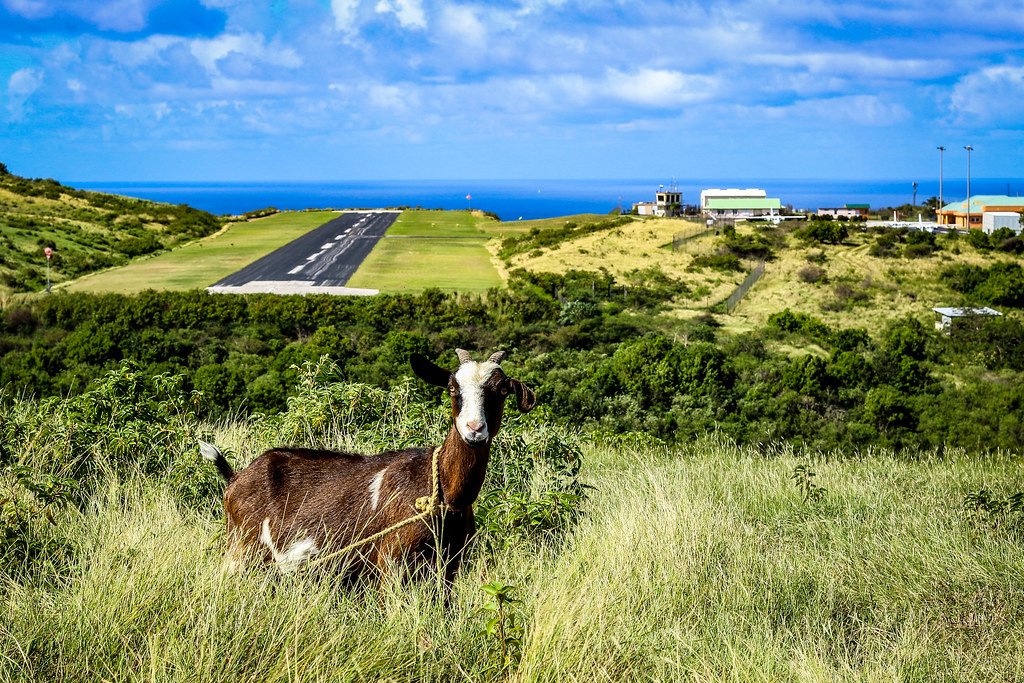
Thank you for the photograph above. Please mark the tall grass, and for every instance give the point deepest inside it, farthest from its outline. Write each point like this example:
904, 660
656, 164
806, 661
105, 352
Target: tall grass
707, 562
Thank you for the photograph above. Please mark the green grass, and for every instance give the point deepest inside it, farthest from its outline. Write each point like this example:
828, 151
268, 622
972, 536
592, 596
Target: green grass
699, 564
703, 562
422, 223
411, 264
442, 249
201, 263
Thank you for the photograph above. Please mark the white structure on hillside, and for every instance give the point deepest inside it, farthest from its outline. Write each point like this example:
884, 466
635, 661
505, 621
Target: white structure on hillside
667, 202
644, 208
948, 315
737, 203
731, 193
993, 220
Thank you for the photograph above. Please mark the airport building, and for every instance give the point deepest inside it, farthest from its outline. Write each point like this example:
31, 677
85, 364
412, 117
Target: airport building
666, 203
847, 210
738, 203
988, 212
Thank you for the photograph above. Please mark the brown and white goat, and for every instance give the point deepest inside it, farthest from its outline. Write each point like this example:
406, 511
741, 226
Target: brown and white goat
292, 504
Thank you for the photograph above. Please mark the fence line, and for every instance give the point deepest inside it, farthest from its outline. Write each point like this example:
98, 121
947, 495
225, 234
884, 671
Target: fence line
686, 235
748, 282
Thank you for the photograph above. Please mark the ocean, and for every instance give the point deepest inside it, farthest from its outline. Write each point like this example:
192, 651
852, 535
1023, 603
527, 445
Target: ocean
527, 199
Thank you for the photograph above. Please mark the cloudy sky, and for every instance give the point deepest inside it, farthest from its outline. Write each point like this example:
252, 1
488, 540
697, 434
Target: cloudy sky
373, 89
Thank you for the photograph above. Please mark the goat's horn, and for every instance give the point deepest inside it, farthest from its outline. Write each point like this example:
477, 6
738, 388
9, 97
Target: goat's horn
496, 357
463, 355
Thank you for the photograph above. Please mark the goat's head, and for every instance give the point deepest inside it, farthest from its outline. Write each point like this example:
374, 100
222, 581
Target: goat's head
478, 392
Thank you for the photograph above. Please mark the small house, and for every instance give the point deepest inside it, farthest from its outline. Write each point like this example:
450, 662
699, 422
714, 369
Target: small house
948, 316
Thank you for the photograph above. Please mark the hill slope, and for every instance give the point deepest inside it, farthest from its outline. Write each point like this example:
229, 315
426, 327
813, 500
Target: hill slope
87, 230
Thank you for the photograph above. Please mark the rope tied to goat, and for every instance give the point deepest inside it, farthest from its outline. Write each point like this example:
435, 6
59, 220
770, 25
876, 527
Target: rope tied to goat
427, 505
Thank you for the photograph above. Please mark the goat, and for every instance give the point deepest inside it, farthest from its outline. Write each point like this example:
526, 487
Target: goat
291, 504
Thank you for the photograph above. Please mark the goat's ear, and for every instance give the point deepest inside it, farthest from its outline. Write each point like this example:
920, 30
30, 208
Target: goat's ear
525, 397
428, 371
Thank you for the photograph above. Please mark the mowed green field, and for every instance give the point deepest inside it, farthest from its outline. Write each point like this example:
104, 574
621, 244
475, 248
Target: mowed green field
200, 264
443, 249
502, 228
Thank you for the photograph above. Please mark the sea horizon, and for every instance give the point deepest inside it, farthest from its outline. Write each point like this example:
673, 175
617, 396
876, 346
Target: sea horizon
531, 198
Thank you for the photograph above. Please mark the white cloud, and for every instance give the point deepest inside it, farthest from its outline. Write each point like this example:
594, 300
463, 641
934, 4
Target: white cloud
108, 15
344, 12
409, 12
30, 9
20, 87
461, 23
859, 64
861, 110
657, 87
254, 46
991, 96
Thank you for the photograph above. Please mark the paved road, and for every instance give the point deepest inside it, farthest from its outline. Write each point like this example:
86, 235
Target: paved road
325, 257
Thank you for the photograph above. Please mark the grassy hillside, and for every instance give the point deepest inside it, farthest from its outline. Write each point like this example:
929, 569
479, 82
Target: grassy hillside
852, 283
706, 562
202, 262
89, 231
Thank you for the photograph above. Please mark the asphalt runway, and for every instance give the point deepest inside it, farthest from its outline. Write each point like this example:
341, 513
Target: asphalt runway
324, 257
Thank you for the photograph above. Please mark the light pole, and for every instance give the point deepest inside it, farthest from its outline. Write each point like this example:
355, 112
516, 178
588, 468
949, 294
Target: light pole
941, 150
969, 150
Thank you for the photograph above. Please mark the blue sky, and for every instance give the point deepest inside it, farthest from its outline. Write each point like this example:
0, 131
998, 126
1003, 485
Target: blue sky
372, 89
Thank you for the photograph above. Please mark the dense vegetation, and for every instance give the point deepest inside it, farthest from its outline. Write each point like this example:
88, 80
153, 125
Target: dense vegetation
88, 231
592, 345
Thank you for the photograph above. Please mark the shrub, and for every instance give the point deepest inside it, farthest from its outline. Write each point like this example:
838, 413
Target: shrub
725, 263
812, 274
828, 232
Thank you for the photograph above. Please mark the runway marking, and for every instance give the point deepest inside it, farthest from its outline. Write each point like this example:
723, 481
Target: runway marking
310, 258
296, 269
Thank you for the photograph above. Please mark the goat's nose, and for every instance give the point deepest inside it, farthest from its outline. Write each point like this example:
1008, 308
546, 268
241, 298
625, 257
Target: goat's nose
476, 426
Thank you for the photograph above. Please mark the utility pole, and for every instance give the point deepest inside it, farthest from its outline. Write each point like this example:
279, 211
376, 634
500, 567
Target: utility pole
969, 149
941, 150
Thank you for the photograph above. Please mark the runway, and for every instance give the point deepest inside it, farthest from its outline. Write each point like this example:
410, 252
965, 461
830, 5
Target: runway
322, 260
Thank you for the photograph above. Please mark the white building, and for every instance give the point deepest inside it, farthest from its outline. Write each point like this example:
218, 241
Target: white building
948, 315
644, 208
736, 203
731, 193
993, 220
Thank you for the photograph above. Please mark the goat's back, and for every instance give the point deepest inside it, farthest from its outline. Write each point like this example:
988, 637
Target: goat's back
319, 493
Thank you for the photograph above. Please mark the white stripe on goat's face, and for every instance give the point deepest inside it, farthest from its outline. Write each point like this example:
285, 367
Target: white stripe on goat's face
471, 418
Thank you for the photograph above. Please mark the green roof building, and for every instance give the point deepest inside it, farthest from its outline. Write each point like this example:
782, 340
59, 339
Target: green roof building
742, 207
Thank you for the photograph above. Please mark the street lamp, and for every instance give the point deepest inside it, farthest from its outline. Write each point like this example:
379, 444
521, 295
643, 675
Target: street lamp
969, 150
941, 150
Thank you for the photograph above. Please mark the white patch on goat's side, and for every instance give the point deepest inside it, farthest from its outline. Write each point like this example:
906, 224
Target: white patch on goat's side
298, 552
374, 488
471, 377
